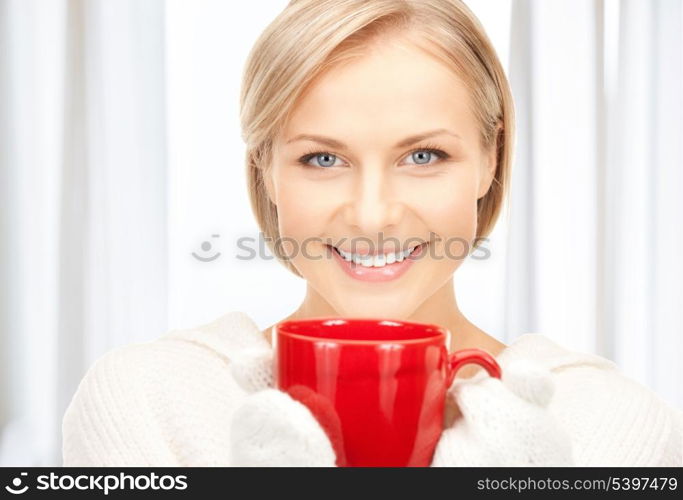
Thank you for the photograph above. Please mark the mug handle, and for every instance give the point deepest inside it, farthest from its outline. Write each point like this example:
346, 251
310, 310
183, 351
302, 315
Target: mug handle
457, 359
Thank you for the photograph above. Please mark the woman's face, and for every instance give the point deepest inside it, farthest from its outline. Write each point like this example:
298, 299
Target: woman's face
370, 190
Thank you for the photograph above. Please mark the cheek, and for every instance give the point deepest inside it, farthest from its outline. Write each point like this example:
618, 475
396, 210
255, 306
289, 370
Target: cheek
450, 209
303, 207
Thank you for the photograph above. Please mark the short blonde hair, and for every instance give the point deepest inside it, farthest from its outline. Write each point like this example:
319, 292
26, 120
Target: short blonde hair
310, 36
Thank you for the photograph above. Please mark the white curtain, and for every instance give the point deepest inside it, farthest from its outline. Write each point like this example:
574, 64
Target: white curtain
100, 207
83, 202
595, 239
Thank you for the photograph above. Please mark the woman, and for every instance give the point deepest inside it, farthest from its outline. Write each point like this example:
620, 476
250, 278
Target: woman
379, 145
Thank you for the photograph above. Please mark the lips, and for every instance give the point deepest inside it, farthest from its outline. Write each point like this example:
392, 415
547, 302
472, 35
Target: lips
384, 272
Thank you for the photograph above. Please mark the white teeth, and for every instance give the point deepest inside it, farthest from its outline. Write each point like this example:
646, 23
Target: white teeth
380, 260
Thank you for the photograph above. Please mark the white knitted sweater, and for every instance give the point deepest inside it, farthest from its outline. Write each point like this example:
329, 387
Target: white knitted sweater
169, 402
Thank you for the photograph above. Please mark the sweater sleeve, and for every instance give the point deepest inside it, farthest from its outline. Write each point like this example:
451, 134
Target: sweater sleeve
615, 421
163, 403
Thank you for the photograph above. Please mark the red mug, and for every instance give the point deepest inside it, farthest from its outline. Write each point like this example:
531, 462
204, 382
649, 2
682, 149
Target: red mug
377, 387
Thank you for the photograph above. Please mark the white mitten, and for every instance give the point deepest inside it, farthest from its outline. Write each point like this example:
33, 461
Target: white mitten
505, 422
271, 429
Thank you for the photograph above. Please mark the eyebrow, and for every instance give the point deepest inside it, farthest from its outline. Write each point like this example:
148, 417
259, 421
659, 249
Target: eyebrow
328, 141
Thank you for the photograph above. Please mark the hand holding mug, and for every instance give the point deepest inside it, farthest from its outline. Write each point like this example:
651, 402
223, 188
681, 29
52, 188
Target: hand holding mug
504, 423
271, 429
376, 387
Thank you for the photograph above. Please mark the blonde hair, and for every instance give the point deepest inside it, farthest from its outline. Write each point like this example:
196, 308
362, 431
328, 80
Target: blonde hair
310, 36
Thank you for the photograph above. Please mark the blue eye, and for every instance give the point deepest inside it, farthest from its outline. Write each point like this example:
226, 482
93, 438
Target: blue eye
427, 151
326, 159
327, 162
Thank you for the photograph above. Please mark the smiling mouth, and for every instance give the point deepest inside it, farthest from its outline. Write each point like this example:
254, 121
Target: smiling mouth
377, 268
405, 256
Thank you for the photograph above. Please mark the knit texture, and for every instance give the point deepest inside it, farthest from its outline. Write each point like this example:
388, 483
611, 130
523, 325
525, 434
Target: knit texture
174, 401
271, 429
505, 423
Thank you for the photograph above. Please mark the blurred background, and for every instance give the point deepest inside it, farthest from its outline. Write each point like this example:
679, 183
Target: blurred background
120, 157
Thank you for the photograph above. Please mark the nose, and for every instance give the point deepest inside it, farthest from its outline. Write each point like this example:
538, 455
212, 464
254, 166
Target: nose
374, 206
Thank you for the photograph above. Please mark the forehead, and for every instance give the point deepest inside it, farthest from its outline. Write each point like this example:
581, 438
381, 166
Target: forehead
395, 87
